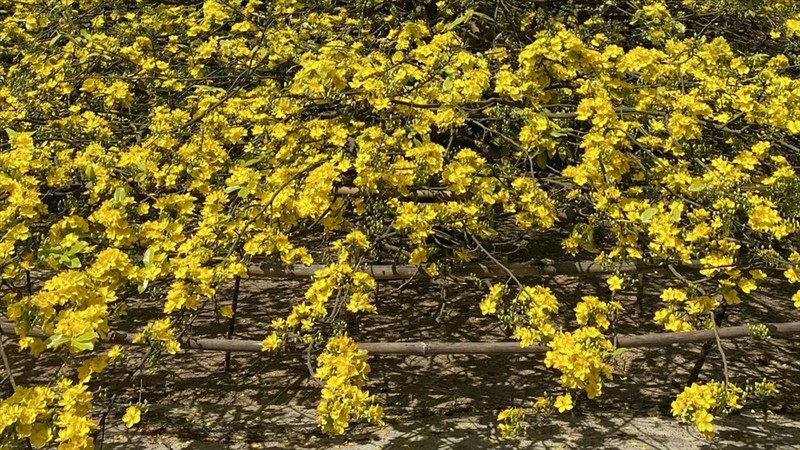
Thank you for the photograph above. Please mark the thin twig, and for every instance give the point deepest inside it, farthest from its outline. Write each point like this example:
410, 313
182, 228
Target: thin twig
7, 363
721, 351
501, 265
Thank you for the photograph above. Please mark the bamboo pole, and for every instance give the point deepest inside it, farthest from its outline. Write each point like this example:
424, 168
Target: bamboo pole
480, 270
232, 321
419, 194
461, 348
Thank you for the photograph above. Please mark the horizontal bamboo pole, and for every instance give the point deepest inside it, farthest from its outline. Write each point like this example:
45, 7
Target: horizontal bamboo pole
462, 348
420, 194
480, 270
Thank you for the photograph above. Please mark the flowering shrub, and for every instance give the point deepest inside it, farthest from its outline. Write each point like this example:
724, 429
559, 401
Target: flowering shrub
156, 149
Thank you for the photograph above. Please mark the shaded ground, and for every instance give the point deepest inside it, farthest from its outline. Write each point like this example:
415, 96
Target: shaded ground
268, 401
467, 431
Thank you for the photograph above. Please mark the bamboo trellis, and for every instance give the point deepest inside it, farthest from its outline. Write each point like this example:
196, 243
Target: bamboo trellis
459, 348
386, 272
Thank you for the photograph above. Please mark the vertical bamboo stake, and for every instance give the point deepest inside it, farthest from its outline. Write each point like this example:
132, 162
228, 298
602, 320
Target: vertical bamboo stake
232, 321
637, 312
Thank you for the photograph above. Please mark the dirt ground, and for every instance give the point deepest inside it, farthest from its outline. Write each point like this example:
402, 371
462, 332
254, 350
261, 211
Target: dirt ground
267, 401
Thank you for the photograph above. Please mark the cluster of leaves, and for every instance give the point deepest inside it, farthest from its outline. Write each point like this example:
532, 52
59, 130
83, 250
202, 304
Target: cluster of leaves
155, 149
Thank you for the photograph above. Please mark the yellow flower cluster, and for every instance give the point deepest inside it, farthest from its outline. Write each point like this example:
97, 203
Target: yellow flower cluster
700, 403
580, 356
792, 273
532, 311
160, 332
684, 313
592, 311
351, 290
28, 413
510, 421
46, 416
73, 304
343, 368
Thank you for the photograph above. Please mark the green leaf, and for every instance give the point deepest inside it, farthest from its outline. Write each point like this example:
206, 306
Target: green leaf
142, 287
698, 186
676, 214
452, 25
230, 189
119, 195
56, 341
541, 160
648, 214
147, 259
84, 342
483, 16
48, 250
55, 39
244, 192
76, 248
81, 346
73, 263
89, 336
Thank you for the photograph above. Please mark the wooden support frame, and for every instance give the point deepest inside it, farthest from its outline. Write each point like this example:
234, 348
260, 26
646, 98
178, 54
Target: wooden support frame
481, 270
461, 348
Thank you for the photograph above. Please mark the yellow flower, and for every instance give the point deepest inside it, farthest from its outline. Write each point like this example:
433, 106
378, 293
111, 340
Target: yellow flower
272, 342
509, 413
432, 270
172, 346
563, 403
418, 256
357, 239
615, 283
747, 285
21, 140
40, 435
792, 275
489, 303
673, 295
115, 352
703, 420
35, 345
226, 312
132, 416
